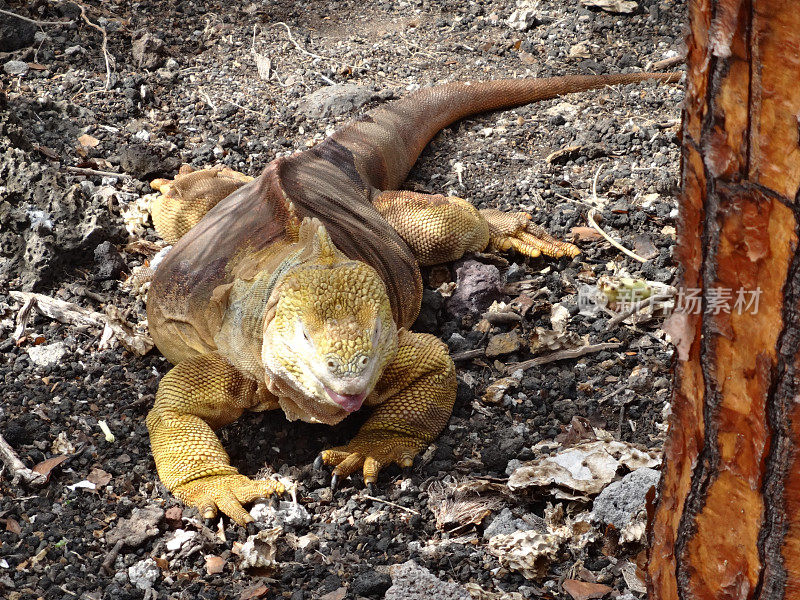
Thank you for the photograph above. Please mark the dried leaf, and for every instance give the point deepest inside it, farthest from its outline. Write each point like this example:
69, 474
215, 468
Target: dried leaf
251, 593
581, 590
581, 470
88, 141
46, 466
99, 477
13, 526
528, 552
494, 393
214, 564
584, 234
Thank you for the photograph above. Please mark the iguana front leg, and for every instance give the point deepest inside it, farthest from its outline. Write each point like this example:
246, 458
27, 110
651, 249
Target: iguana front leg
196, 397
185, 200
442, 228
414, 400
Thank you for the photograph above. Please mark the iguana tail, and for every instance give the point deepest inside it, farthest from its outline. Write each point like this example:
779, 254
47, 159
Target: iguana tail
387, 141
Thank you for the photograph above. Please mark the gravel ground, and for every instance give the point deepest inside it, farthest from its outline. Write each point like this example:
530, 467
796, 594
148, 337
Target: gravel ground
209, 82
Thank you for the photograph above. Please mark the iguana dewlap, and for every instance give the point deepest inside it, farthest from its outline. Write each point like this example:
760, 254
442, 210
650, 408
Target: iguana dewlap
295, 290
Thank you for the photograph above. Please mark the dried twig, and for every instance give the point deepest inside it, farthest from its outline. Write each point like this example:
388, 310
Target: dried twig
562, 355
207, 99
296, 45
22, 318
106, 54
667, 63
468, 354
85, 171
34, 21
66, 312
111, 557
17, 467
405, 508
608, 238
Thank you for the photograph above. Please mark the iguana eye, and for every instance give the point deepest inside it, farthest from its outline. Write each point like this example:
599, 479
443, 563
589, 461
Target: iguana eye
362, 362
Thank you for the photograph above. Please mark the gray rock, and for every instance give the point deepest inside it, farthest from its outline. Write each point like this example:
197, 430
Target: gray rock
15, 67
335, 100
144, 573
109, 263
47, 356
15, 34
47, 227
74, 50
142, 161
412, 582
142, 525
621, 501
504, 524
149, 51
522, 19
477, 286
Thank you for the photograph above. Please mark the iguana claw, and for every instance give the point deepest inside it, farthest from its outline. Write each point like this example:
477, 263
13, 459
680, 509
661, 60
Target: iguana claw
226, 493
515, 230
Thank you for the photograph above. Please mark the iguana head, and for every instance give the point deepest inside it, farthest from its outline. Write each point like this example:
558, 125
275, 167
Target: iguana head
331, 334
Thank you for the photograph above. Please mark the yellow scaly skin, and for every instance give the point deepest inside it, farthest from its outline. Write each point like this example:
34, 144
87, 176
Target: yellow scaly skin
260, 310
327, 330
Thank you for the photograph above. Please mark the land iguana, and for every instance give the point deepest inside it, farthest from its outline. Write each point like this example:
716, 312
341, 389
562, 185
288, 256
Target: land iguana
296, 289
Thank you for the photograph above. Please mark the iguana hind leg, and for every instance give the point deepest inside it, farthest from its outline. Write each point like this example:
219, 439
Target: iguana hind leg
443, 228
196, 397
437, 228
187, 198
414, 400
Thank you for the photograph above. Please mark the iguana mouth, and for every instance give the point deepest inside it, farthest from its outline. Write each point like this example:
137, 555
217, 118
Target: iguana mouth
349, 402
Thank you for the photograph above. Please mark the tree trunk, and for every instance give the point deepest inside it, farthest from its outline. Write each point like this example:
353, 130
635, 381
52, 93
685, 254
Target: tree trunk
727, 524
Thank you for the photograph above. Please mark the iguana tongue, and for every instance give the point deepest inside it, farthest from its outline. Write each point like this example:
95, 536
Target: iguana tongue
350, 403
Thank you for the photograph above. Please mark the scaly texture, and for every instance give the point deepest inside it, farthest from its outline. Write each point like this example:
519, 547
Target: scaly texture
413, 401
186, 199
295, 289
195, 398
441, 229
437, 228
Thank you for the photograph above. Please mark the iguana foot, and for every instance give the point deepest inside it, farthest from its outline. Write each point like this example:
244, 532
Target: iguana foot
441, 229
370, 453
226, 493
515, 230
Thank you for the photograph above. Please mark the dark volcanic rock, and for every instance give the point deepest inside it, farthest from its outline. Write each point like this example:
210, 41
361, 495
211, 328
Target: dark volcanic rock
371, 584
15, 33
109, 263
143, 161
477, 286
